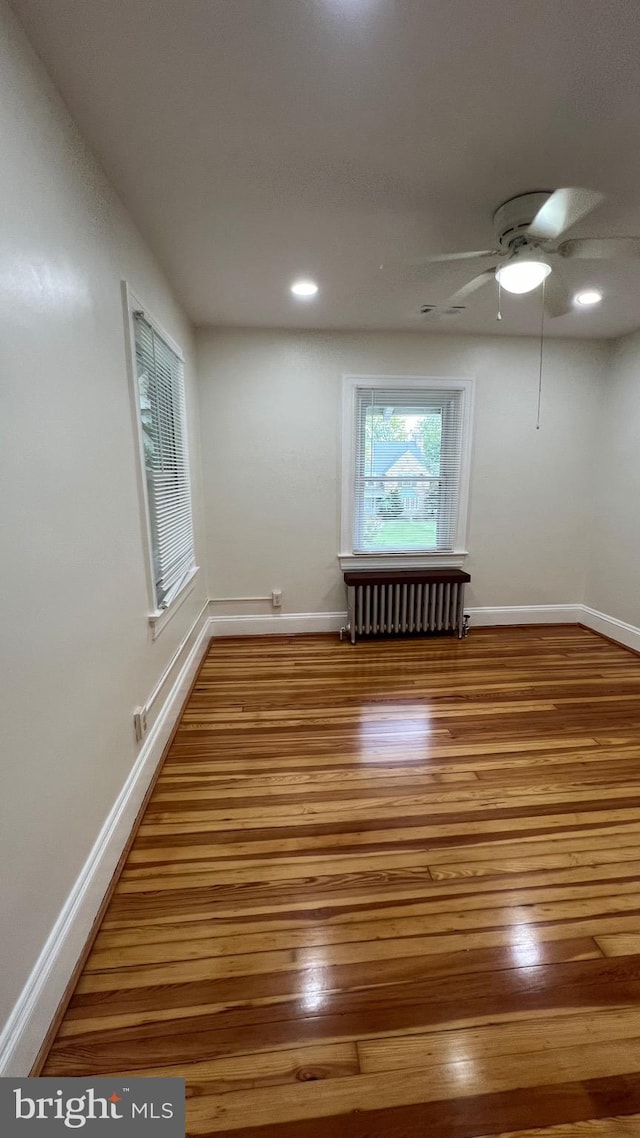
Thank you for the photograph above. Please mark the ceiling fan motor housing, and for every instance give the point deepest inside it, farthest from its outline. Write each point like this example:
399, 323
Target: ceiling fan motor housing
514, 217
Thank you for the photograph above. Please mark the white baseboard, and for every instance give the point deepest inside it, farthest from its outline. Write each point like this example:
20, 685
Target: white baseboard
27, 1026
276, 624
525, 614
291, 624
619, 630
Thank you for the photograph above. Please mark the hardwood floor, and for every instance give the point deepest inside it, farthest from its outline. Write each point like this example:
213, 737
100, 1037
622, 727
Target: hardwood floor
383, 892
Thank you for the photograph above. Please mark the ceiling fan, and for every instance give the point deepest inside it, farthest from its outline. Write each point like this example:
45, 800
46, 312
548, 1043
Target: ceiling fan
528, 248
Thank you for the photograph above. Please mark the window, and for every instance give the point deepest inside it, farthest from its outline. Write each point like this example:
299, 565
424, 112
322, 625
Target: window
160, 405
405, 466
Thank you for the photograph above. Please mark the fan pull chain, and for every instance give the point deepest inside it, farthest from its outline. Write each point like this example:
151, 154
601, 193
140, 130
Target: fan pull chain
541, 347
499, 316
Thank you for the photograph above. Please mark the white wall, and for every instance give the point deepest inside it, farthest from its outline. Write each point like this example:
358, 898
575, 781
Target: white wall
74, 598
270, 416
74, 611
613, 581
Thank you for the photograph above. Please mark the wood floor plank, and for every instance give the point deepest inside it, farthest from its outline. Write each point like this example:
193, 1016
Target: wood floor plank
391, 833
207, 991
473, 1117
619, 944
191, 941
385, 891
244, 868
620, 1127
244, 1072
225, 1113
516, 1038
585, 830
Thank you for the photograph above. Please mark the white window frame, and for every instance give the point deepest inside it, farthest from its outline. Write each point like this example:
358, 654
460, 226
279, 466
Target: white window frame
416, 559
158, 617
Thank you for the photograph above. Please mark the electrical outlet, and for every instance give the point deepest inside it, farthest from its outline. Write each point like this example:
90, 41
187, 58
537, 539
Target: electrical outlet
140, 723
276, 598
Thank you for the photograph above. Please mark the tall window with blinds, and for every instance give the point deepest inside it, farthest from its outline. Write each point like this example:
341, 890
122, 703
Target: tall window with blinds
408, 466
162, 419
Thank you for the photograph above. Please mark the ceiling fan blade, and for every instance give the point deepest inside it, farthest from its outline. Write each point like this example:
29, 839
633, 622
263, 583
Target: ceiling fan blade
476, 254
562, 210
422, 270
600, 248
557, 299
470, 287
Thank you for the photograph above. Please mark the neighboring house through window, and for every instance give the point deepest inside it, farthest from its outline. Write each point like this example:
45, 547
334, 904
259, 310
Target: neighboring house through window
406, 449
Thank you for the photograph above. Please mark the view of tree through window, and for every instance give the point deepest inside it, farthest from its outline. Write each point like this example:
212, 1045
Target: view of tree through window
401, 479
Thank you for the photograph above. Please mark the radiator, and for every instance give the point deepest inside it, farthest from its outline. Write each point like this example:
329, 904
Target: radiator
400, 604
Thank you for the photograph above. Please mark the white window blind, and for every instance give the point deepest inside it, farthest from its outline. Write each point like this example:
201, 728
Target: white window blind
408, 468
164, 439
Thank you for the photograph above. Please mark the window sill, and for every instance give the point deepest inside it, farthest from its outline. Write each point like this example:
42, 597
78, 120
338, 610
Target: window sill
453, 560
161, 617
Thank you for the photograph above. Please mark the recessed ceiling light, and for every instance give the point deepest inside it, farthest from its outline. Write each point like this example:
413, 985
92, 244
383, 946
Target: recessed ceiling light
304, 288
588, 296
522, 275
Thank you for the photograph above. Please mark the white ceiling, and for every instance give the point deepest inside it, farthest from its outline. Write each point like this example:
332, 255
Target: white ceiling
258, 140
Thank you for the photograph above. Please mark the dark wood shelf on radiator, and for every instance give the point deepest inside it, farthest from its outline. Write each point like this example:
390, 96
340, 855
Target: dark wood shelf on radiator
405, 576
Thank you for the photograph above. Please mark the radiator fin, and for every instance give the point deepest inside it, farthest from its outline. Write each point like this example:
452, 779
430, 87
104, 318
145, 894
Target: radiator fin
407, 608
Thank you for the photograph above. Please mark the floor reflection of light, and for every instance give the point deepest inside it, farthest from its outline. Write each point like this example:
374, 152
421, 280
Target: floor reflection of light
314, 987
463, 1070
460, 1065
525, 951
382, 727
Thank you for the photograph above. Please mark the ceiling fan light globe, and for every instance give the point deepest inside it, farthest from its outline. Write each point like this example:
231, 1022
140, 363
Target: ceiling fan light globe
522, 275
